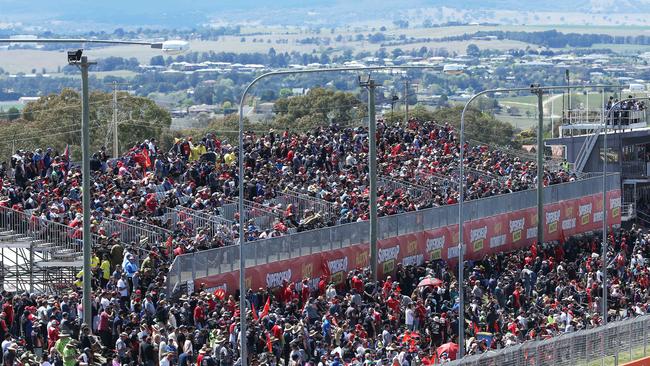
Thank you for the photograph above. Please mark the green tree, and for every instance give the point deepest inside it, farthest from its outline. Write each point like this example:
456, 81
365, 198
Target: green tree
473, 50
317, 107
54, 120
12, 113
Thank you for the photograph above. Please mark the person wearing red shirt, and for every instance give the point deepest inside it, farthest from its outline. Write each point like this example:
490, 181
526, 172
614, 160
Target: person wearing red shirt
393, 304
387, 287
8, 309
199, 315
103, 328
357, 284
4, 329
52, 334
516, 295
322, 284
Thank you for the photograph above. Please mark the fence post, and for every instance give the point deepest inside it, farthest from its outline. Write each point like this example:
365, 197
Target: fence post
193, 265
630, 330
644, 340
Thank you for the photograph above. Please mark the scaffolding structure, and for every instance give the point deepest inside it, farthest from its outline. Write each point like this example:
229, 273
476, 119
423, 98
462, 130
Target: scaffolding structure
37, 255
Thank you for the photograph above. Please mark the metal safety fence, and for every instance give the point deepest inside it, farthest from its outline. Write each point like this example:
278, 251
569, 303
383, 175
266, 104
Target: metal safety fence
614, 344
416, 192
194, 220
128, 232
220, 260
61, 241
301, 202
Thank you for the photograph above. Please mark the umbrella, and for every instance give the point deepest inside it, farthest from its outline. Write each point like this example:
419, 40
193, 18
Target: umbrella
450, 348
430, 281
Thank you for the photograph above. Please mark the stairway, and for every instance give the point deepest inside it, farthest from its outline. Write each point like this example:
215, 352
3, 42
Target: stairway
585, 150
30, 264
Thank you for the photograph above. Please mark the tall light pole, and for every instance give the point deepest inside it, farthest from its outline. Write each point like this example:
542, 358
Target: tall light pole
76, 58
372, 171
242, 269
536, 89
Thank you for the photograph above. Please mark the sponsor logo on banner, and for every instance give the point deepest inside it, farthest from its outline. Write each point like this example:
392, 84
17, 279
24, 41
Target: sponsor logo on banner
211, 290
568, 224
568, 211
412, 247
307, 270
477, 237
615, 206
275, 279
585, 212
362, 259
498, 241
452, 252
434, 247
598, 216
531, 232
338, 269
516, 227
413, 260
552, 219
387, 258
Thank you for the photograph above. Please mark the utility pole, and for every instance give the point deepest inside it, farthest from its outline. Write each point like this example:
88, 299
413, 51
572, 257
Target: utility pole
372, 170
535, 89
116, 137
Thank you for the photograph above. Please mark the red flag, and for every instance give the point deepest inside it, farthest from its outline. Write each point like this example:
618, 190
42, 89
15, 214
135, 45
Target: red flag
147, 160
562, 237
407, 337
326, 269
268, 342
267, 307
220, 294
254, 312
66, 155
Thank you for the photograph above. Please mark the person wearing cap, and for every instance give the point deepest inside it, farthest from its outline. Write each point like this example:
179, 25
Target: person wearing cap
121, 347
70, 353
146, 354
167, 359
9, 356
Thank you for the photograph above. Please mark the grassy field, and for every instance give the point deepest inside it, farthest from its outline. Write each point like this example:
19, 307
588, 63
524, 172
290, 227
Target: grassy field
15, 61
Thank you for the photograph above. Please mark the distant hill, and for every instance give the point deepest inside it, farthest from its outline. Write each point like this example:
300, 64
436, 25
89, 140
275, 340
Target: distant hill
174, 13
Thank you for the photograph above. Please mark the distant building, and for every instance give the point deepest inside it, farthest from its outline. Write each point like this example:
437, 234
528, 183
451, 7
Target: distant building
25, 100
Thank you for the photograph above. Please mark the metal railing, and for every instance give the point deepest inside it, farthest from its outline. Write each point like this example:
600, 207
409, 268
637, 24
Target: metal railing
613, 344
61, 241
130, 233
220, 260
636, 168
416, 192
301, 202
620, 117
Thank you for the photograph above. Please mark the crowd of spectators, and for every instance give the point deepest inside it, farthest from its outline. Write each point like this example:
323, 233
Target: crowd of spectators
533, 293
328, 165
622, 112
135, 324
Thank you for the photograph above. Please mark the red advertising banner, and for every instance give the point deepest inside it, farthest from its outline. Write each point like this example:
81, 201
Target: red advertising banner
486, 236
